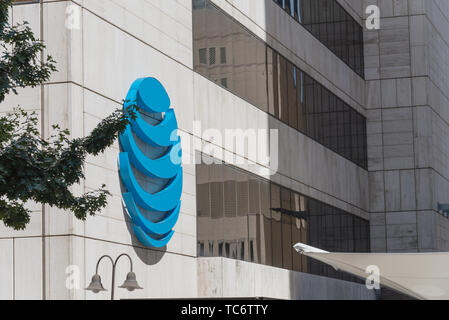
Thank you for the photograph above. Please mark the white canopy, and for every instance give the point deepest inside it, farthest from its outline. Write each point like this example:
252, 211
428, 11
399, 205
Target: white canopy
420, 275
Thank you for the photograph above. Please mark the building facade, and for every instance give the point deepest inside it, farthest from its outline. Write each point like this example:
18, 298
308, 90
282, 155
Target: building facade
354, 121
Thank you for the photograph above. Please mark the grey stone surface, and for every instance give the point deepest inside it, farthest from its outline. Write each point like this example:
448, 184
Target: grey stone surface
412, 48
253, 280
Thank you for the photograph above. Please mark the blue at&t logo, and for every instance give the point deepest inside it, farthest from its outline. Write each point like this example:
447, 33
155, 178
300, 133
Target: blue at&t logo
150, 164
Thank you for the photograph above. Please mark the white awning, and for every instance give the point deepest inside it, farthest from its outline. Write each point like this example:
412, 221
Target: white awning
420, 275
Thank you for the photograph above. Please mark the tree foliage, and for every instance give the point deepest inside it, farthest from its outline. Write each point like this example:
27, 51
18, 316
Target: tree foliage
20, 64
33, 168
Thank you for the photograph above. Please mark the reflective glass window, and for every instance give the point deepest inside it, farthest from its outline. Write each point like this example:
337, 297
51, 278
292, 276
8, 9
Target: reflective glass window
242, 216
231, 56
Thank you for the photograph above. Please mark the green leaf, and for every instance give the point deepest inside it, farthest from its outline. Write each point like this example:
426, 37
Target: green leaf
32, 168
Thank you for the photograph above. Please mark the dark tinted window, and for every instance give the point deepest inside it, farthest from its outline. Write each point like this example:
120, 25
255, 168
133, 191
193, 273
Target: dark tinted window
259, 221
332, 26
228, 54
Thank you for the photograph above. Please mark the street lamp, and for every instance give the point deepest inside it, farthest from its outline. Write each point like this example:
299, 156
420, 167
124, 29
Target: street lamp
130, 283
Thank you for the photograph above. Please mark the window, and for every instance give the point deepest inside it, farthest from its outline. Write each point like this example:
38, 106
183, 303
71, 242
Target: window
230, 193
262, 221
202, 55
331, 25
224, 82
291, 91
203, 202
283, 91
302, 124
223, 55
286, 219
273, 82
287, 6
212, 56
252, 70
276, 226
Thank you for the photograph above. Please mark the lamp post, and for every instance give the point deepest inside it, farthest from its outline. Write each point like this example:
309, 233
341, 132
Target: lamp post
130, 283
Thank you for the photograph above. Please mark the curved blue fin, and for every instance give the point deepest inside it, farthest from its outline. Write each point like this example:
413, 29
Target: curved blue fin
160, 228
150, 242
149, 95
160, 135
162, 167
164, 200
